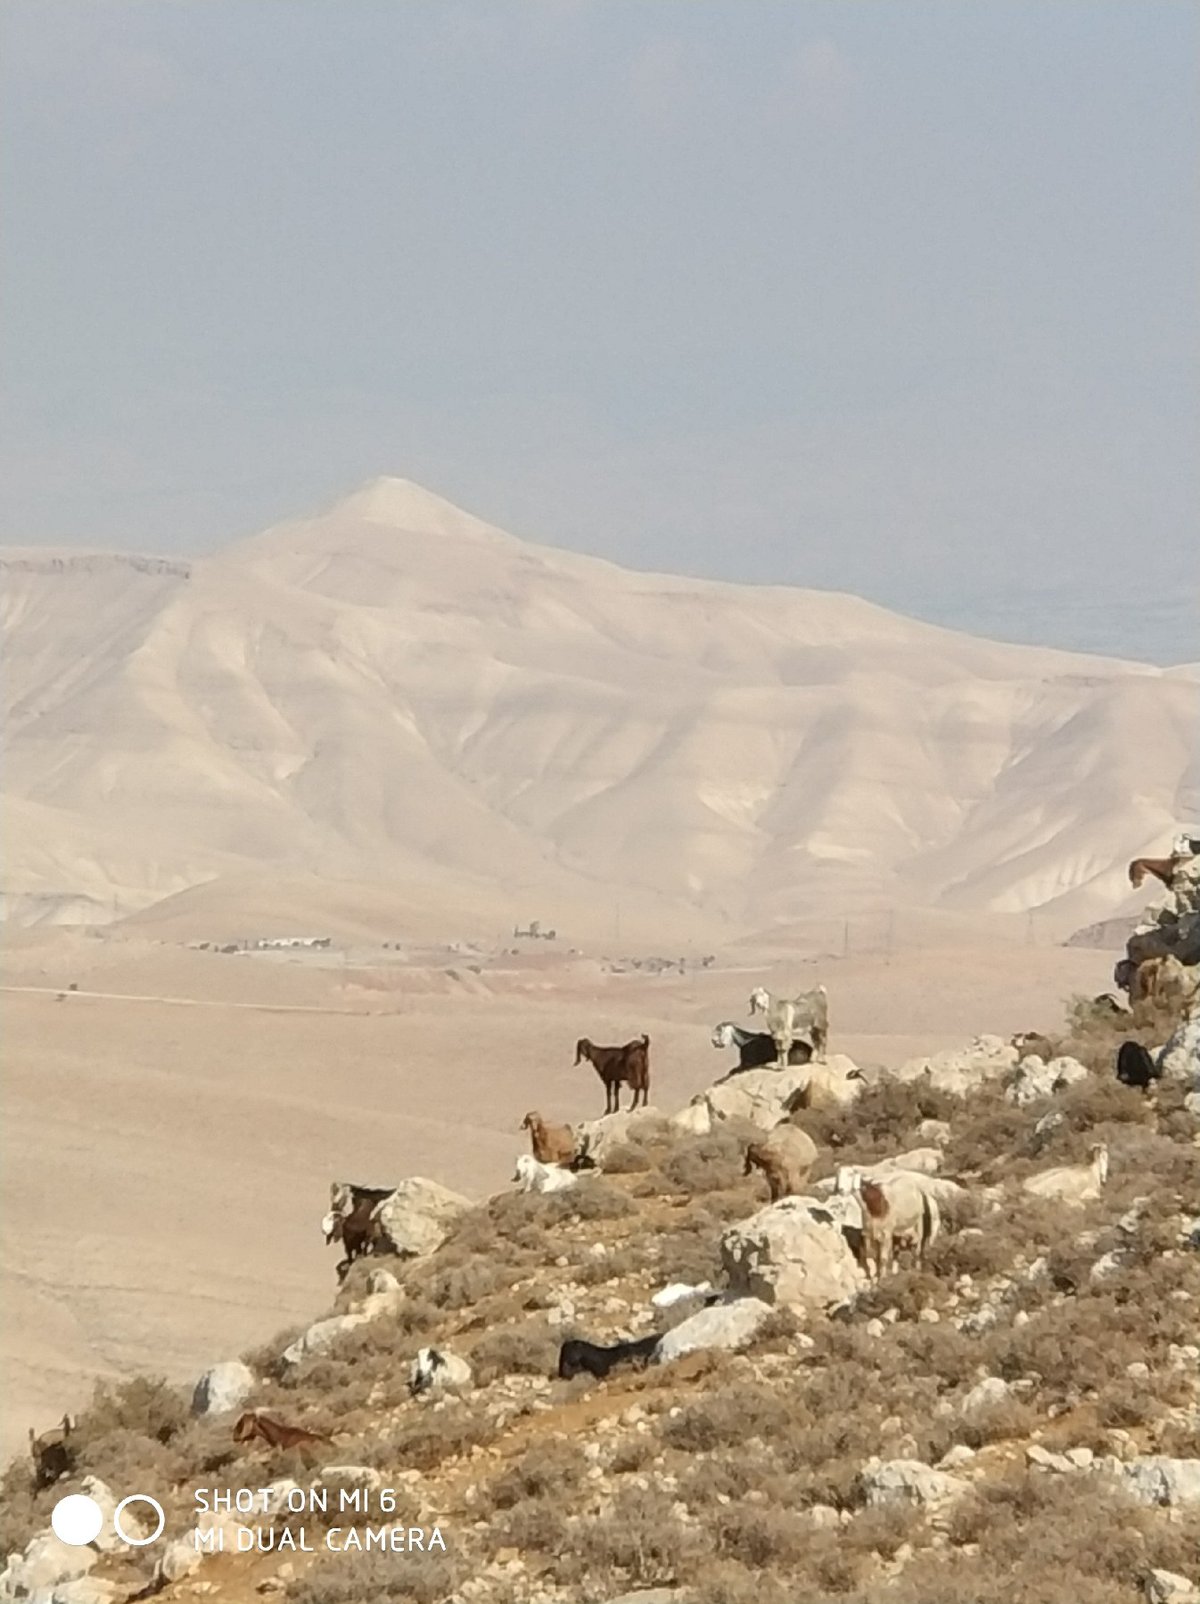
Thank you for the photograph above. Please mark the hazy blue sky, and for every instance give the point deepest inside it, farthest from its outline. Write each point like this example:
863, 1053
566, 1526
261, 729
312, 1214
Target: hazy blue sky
890, 297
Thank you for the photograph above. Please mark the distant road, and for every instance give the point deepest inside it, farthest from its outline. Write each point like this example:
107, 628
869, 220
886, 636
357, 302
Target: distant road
190, 1002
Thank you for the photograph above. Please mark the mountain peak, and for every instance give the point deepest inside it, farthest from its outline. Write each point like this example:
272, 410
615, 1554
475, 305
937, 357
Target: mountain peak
402, 504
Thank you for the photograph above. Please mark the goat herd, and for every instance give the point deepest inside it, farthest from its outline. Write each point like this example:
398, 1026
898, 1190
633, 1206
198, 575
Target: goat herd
893, 1204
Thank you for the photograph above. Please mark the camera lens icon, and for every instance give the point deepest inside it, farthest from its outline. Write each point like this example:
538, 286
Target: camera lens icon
78, 1520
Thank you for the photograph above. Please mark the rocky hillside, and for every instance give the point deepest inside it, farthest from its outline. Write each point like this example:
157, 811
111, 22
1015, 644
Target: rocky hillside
1016, 1419
396, 693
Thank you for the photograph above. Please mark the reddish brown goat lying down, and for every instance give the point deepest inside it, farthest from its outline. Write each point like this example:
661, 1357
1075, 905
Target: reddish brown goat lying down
275, 1433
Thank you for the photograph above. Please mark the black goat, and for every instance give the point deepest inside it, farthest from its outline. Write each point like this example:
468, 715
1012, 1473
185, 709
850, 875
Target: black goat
576, 1357
1135, 1066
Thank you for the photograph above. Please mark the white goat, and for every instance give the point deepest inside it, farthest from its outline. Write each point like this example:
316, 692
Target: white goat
677, 1291
1073, 1183
436, 1370
911, 1212
810, 1010
534, 1176
915, 1166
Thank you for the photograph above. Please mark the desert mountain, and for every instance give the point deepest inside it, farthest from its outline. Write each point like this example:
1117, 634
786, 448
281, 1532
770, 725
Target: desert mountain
396, 694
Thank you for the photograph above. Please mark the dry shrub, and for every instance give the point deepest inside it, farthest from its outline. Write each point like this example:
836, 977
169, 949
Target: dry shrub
883, 1120
692, 1252
629, 1157
1006, 1420
381, 1578
1093, 1035
1101, 1100
461, 1286
265, 1359
1038, 1539
626, 1260
988, 1135
728, 1582
717, 1419
144, 1406
551, 1470
543, 1528
711, 1163
22, 1510
761, 1536
426, 1437
529, 1349
639, 1544
495, 1227
593, 1199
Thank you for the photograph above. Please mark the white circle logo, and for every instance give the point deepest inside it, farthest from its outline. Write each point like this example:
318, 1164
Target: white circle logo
77, 1520
138, 1498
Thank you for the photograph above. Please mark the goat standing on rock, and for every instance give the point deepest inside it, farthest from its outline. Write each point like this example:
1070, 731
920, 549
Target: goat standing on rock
788, 1016
756, 1048
616, 1065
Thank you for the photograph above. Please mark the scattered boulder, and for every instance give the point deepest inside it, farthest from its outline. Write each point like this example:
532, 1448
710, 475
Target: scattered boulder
599, 1136
223, 1388
694, 1120
962, 1069
792, 1253
909, 1481
320, 1336
723, 1325
1157, 1480
1166, 1587
87, 1590
418, 1216
984, 1394
653, 1595
1180, 1058
181, 1557
1044, 1459
363, 1476
756, 1096
45, 1565
1035, 1079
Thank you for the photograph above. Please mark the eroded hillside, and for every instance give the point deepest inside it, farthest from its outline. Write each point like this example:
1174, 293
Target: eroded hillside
396, 693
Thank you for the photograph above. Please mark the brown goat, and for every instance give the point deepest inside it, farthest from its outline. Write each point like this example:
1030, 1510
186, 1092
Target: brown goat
1161, 868
551, 1144
785, 1156
275, 1433
629, 1064
360, 1233
52, 1454
1163, 980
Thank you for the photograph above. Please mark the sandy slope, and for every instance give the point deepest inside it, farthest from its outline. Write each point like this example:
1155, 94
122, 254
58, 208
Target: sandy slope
396, 694
164, 1166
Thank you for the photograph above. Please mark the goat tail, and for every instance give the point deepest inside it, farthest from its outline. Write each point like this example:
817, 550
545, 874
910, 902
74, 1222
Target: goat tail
645, 1040
929, 1224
